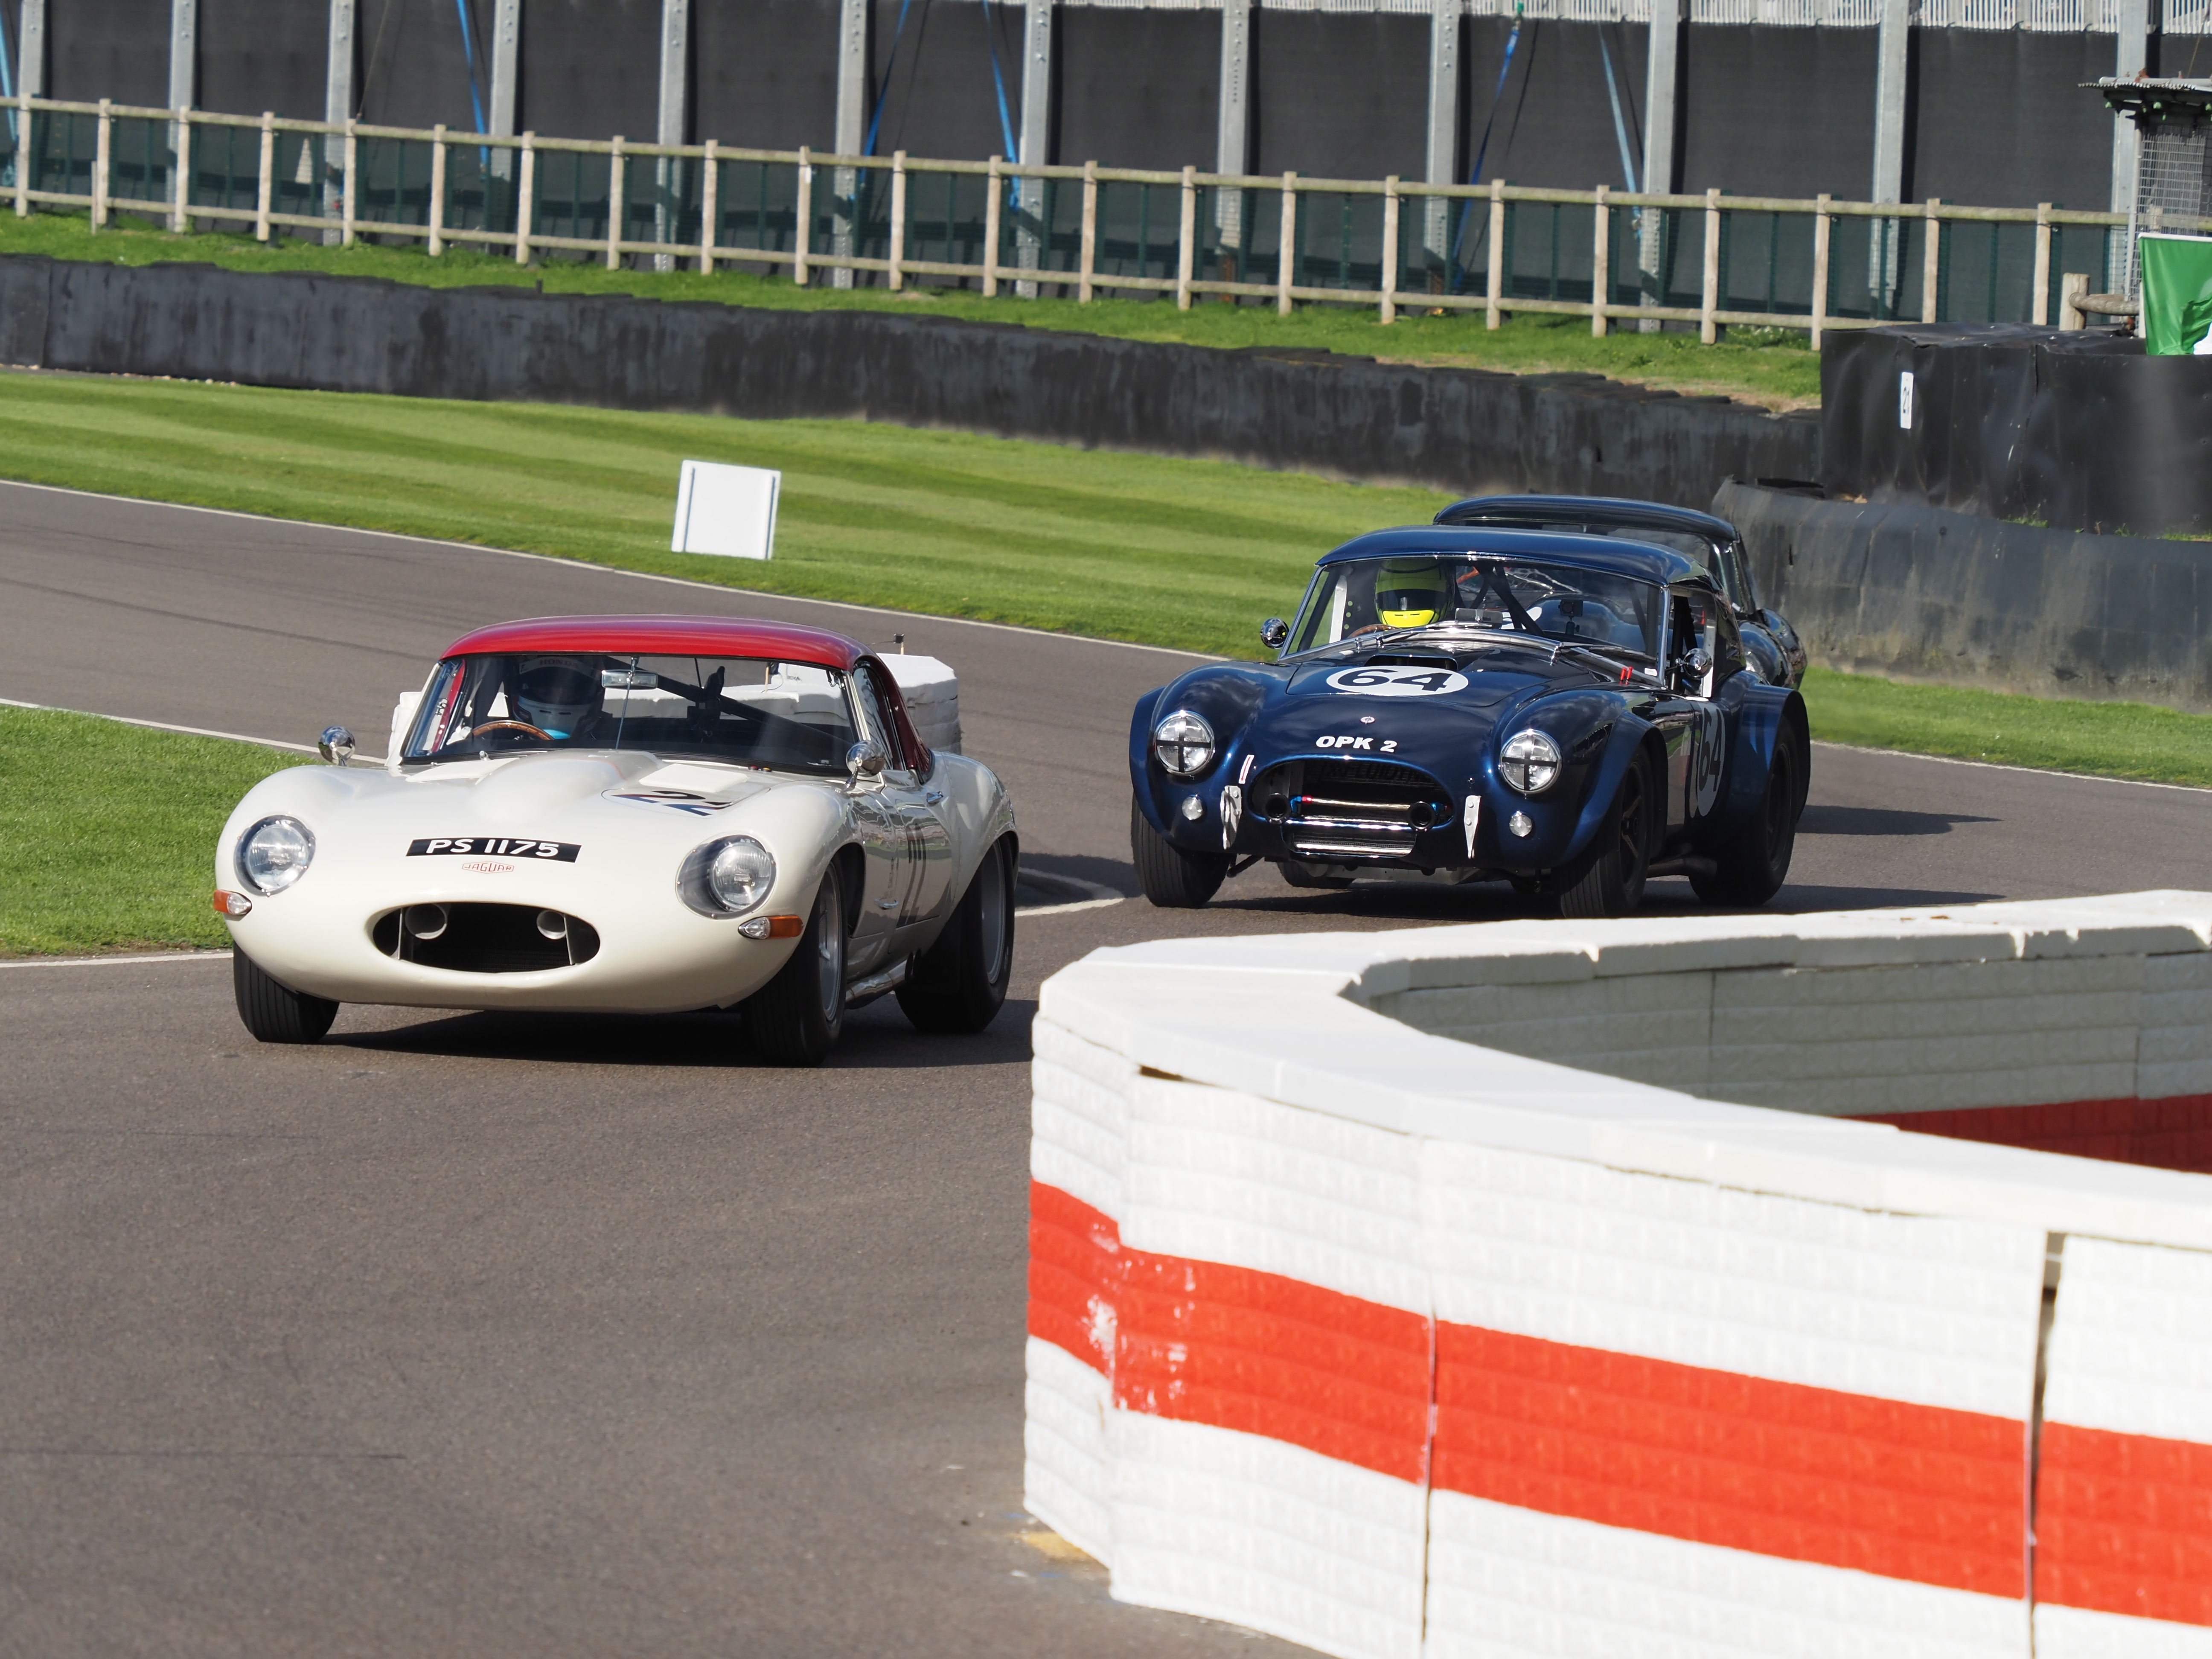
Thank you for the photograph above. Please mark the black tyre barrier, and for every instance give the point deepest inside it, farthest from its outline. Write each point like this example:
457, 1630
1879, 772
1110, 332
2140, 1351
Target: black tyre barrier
1457, 430
2079, 431
1920, 593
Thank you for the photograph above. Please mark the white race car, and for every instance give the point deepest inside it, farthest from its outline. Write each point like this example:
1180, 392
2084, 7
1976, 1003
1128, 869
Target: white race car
631, 814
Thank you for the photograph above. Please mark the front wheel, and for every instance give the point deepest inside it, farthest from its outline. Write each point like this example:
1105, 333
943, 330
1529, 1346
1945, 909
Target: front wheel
959, 983
1613, 883
1172, 878
796, 1018
1751, 869
274, 1012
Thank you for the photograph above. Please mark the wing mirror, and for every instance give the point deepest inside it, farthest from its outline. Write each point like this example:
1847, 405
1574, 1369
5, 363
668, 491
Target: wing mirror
865, 760
1274, 632
1691, 669
335, 745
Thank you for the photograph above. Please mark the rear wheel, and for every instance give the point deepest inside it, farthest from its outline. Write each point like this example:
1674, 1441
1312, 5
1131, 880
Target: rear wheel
1751, 869
959, 983
1613, 883
274, 1012
796, 1017
1172, 878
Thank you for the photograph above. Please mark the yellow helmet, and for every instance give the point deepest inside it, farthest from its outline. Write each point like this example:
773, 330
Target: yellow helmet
1409, 592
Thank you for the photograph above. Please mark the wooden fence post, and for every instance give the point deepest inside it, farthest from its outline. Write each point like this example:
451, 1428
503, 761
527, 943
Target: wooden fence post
1090, 262
616, 205
802, 241
1931, 262
180, 184
2073, 285
525, 199
24, 151
102, 144
898, 222
268, 176
349, 187
1823, 229
1286, 246
994, 203
1187, 238
710, 207
2039, 312
1709, 301
1600, 263
438, 190
1389, 307
1492, 316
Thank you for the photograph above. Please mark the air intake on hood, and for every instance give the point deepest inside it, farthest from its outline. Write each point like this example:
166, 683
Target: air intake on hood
1332, 809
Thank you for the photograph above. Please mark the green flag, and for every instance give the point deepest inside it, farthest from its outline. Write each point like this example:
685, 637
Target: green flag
2177, 293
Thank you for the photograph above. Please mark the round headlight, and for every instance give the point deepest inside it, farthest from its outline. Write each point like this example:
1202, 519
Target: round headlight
1184, 743
275, 853
727, 877
1529, 761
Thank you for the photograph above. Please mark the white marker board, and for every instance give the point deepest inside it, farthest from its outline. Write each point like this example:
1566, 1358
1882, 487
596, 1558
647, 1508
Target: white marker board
727, 510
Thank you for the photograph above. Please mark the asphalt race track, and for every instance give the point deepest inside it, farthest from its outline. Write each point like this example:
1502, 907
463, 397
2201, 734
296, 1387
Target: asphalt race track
484, 1336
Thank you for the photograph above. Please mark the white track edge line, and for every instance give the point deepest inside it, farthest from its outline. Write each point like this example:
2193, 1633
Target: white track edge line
2000, 766
164, 726
114, 962
1065, 909
610, 569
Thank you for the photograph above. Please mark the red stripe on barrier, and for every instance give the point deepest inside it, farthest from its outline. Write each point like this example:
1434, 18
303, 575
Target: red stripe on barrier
2173, 1134
1916, 1492
2123, 1524
1075, 1275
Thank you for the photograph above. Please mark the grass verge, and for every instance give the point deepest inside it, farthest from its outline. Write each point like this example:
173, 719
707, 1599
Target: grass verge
1775, 368
2110, 740
107, 832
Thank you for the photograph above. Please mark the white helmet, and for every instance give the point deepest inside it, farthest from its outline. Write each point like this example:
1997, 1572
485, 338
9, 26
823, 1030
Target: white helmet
559, 693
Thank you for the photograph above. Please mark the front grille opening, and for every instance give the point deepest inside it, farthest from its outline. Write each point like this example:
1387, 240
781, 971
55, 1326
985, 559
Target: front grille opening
1351, 808
485, 939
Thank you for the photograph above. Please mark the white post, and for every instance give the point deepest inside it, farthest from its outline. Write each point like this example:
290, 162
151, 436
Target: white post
183, 51
337, 109
616, 205
898, 220
102, 143
1187, 238
1029, 229
1286, 245
506, 56
804, 237
2132, 26
1389, 307
31, 66
1493, 312
525, 199
1822, 223
1089, 265
1444, 28
1709, 302
1931, 268
180, 182
1890, 47
994, 198
1662, 72
267, 198
852, 76
2039, 313
710, 207
1232, 147
1600, 263
667, 170
438, 189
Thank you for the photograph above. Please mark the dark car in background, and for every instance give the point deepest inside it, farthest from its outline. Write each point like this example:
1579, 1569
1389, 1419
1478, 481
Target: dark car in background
1571, 713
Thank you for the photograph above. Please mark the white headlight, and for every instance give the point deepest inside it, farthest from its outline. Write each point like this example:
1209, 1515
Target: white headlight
727, 877
275, 853
1184, 743
1529, 761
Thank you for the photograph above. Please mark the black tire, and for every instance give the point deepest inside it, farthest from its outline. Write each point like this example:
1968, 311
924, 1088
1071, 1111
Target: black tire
274, 1012
1172, 878
959, 984
1751, 869
796, 1018
1612, 885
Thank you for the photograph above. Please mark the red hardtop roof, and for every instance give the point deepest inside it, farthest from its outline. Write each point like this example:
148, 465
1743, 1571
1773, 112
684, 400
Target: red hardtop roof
666, 636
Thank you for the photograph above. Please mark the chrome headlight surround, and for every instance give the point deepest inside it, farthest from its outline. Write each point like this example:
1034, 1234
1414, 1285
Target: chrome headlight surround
274, 853
1529, 761
1184, 743
726, 878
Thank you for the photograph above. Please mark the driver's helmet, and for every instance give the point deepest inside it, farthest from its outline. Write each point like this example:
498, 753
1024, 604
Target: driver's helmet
1410, 593
559, 693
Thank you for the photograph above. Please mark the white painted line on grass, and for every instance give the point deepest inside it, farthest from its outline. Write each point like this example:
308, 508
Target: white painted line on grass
164, 726
114, 962
609, 569
2000, 766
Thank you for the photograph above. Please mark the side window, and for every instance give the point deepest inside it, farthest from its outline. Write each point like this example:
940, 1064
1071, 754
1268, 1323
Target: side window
1699, 620
875, 713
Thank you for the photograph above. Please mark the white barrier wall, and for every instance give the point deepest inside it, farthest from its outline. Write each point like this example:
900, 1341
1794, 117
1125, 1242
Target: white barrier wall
1394, 1344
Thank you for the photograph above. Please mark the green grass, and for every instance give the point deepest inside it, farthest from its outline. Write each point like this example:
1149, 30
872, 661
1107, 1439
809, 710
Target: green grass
2111, 739
1172, 552
107, 832
1776, 367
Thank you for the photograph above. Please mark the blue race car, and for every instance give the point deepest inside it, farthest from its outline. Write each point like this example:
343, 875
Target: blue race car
1770, 645
1569, 712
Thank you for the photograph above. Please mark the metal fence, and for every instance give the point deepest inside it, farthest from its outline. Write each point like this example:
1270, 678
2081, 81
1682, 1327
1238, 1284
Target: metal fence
1714, 260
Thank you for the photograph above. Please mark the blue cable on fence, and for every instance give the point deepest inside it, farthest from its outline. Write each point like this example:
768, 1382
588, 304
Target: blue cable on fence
876, 117
1619, 128
1005, 121
1497, 99
476, 98
8, 86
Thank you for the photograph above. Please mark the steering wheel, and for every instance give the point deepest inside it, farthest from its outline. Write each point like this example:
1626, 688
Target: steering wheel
524, 727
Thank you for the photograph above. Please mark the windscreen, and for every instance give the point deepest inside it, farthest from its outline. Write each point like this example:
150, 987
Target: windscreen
1617, 614
747, 711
